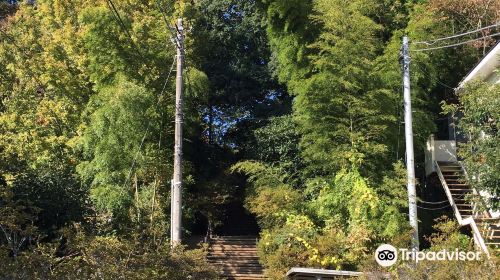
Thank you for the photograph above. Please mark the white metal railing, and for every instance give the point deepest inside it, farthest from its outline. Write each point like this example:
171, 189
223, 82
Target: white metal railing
479, 204
469, 221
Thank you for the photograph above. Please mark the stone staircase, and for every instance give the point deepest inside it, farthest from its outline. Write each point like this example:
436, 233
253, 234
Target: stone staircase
469, 207
236, 256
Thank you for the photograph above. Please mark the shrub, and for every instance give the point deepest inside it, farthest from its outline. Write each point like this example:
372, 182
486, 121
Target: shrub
105, 258
447, 237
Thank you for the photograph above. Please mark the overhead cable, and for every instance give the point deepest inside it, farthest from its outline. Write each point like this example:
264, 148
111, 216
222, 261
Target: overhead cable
457, 44
432, 209
118, 18
432, 42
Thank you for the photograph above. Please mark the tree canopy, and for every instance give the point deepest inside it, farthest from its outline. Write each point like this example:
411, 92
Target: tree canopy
292, 108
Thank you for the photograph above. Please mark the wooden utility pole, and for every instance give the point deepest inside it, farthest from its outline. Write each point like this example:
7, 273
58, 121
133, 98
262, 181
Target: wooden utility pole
176, 190
410, 160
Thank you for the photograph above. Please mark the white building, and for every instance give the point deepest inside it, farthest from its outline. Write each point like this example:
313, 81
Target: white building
487, 70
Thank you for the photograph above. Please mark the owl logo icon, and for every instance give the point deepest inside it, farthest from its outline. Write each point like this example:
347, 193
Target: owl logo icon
386, 255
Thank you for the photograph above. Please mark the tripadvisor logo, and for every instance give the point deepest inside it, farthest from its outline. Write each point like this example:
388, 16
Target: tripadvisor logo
387, 255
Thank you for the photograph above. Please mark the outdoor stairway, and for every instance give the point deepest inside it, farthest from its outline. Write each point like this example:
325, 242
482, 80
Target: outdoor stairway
236, 256
468, 206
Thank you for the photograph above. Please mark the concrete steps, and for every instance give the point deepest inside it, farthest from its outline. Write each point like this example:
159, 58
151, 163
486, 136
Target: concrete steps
236, 257
464, 198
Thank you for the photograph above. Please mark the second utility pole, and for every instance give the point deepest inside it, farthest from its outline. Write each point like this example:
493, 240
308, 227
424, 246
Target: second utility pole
410, 160
176, 189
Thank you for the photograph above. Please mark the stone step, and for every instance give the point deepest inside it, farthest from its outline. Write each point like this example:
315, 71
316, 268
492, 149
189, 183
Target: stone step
257, 268
235, 237
444, 165
235, 245
251, 252
242, 268
243, 272
234, 241
243, 276
230, 254
238, 266
494, 228
233, 253
226, 249
236, 256
460, 190
255, 275
229, 258
448, 164
447, 171
487, 219
466, 195
235, 264
467, 199
251, 260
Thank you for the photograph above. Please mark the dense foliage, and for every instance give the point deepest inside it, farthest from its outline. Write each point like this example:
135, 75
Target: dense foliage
339, 59
106, 258
447, 236
292, 106
477, 114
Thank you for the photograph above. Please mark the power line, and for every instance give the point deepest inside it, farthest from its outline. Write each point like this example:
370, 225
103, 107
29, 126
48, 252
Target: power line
432, 209
432, 202
432, 42
173, 38
457, 44
117, 17
434, 77
439, 202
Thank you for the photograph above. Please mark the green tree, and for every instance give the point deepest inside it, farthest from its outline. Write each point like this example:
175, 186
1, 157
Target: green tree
43, 95
477, 114
114, 144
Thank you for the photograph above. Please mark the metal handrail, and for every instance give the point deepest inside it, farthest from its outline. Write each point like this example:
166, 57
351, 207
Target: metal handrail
479, 204
478, 238
448, 193
474, 191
